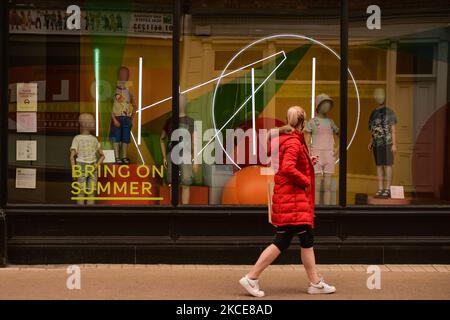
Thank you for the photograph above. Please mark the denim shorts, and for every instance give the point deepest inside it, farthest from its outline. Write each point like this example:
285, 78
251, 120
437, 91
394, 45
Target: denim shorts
87, 181
123, 133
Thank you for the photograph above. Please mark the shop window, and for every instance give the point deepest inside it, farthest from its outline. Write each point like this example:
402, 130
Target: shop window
75, 131
402, 84
270, 51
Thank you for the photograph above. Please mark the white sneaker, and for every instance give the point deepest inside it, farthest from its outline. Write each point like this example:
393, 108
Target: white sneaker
320, 287
252, 286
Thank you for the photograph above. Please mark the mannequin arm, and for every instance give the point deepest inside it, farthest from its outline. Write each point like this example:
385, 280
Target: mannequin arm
336, 144
101, 158
73, 155
115, 121
394, 138
195, 166
308, 140
162, 144
370, 146
133, 103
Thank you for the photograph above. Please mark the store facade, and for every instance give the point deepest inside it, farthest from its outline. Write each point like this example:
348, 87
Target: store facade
127, 74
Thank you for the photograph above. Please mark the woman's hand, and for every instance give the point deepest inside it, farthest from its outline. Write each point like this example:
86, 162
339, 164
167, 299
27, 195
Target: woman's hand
165, 163
370, 146
315, 159
394, 148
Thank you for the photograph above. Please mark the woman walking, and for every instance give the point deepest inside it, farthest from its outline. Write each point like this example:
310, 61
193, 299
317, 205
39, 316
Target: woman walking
292, 206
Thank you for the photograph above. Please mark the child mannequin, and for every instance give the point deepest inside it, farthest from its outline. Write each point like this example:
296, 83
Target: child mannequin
320, 135
83, 152
122, 117
383, 143
186, 170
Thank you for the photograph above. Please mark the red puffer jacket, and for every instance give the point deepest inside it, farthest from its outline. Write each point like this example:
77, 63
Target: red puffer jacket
293, 194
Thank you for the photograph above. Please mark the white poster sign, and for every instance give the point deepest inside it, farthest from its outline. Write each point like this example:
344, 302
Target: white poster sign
26, 121
397, 192
26, 150
25, 178
109, 156
27, 95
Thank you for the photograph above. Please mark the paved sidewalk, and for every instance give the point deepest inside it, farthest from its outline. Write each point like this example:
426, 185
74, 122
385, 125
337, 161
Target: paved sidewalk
220, 282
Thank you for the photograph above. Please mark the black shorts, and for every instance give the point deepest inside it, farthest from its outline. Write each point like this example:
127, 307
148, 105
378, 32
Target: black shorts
383, 155
285, 234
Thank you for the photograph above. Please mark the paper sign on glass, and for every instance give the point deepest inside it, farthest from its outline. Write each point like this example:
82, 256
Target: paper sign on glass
25, 178
27, 94
397, 192
109, 156
26, 121
26, 150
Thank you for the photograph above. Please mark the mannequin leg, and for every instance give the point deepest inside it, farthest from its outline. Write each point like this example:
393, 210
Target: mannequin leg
82, 183
380, 175
186, 181
327, 189
124, 150
319, 180
92, 183
388, 177
116, 147
81, 202
185, 194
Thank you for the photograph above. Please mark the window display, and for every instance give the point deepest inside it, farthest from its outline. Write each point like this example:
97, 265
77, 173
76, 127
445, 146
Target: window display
401, 70
84, 85
240, 70
239, 85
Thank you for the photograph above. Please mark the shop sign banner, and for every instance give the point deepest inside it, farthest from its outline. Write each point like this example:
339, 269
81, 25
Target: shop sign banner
53, 22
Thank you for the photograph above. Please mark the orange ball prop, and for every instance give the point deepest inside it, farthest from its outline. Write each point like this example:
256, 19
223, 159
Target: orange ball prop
247, 186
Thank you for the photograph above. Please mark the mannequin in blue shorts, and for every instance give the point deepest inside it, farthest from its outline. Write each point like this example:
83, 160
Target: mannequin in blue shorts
122, 117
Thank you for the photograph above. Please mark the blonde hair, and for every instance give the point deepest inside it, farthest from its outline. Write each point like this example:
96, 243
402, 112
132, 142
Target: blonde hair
295, 118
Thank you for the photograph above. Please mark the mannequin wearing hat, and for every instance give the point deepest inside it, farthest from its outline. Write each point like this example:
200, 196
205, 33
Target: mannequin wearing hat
321, 132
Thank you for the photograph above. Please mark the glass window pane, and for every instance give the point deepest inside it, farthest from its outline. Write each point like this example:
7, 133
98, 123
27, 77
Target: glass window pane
77, 81
243, 64
400, 62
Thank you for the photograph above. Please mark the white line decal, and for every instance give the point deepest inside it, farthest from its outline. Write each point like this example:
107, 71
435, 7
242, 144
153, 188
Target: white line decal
140, 103
313, 87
